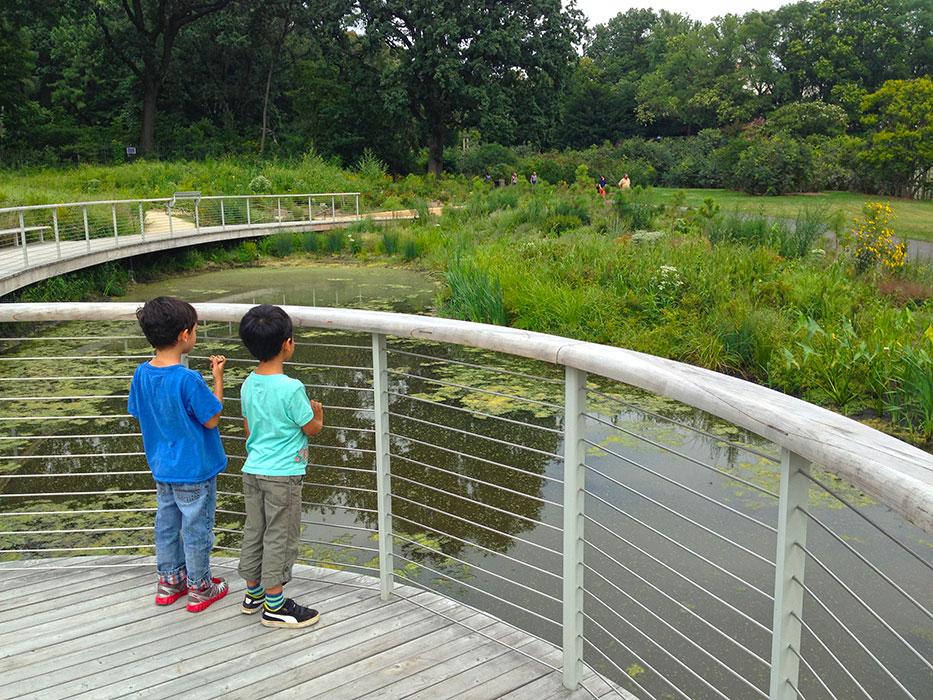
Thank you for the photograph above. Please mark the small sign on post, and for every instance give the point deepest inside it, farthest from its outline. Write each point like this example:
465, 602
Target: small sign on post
131, 153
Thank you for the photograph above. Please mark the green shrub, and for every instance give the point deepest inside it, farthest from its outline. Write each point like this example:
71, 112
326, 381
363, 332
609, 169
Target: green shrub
248, 252
311, 241
474, 294
636, 208
911, 399
390, 241
411, 249
283, 244
336, 240
772, 166
559, 223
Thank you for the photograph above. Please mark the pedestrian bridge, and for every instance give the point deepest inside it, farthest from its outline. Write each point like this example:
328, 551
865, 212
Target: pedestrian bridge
42, 241
489, 512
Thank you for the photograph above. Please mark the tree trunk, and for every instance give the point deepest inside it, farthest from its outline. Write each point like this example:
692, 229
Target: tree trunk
436, 150
147, 135
265, 110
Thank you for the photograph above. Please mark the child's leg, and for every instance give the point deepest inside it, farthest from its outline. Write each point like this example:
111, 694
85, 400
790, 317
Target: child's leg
197, 503
279, 552
170, 554
282, 507
251, 549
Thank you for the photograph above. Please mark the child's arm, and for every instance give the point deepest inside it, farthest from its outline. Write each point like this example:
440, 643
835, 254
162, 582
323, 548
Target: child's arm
316, 424
246, 427
218, 365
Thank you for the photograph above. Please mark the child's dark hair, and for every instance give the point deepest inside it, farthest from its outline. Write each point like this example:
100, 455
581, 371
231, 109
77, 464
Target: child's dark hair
263, 329
163, 318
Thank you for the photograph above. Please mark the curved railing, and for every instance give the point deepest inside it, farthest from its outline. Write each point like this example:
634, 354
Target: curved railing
616, 504
48, 239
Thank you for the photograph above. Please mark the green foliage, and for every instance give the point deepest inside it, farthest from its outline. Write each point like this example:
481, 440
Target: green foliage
283, 244
803, 119
336, 240
910, 400
311, 241
473, 294
637, 208
390, 240
772, 166
901, 147
411, 249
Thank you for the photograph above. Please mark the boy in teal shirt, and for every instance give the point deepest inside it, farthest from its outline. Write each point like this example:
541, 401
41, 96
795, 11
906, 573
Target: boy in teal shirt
278, 418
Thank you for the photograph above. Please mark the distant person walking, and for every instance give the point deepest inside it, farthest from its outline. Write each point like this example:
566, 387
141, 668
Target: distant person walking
534, 177
625, 183
514, 178
602, 182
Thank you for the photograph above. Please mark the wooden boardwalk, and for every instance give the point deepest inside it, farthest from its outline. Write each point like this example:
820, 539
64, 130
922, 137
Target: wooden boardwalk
95, 632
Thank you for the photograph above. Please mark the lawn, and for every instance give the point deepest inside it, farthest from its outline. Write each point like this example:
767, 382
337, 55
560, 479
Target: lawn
914, 217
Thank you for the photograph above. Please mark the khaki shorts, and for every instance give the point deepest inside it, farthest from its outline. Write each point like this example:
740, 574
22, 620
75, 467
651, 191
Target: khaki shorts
273, 526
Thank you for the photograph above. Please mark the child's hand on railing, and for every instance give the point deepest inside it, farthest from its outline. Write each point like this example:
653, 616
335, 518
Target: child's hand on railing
218, 365
318, 409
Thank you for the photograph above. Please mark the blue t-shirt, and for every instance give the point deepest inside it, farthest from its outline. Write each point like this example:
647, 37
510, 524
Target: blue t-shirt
275, 407
172, 404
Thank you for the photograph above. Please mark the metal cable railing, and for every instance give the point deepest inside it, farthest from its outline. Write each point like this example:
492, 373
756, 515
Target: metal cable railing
672, 555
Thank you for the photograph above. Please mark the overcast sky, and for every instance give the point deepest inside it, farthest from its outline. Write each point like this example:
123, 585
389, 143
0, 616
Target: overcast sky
598, 11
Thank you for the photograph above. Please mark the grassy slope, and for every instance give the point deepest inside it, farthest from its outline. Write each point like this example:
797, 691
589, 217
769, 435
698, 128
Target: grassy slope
914, 218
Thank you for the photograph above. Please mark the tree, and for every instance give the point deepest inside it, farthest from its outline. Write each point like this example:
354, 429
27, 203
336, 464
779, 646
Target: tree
454, 61
146, 44
900, 114
803, 119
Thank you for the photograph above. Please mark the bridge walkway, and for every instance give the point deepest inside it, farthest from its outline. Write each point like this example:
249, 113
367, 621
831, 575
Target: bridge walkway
95, 632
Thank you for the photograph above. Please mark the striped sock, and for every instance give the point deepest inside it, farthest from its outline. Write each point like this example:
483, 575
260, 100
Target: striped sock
274, 602
256, 593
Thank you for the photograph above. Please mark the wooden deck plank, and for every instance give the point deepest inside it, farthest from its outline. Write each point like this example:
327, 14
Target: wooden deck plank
97, 675
327, 655
369, 674
105, 638
464, 652
75, 588
288, 653
109, 652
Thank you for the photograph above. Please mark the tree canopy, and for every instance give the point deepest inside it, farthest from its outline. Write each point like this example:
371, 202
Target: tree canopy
83, 79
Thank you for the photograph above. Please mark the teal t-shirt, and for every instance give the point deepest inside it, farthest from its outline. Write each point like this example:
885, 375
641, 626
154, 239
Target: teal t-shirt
276, 407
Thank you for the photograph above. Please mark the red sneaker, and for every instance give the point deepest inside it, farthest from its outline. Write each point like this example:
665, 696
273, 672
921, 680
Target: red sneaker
168, 593
202, 598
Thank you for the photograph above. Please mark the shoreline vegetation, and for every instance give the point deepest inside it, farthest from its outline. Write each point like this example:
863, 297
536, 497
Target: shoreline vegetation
760, 297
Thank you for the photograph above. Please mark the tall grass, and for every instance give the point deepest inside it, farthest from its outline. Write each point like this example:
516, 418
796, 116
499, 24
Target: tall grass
473, 294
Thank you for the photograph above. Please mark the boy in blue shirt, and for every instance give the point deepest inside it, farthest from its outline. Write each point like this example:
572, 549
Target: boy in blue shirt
278, 419
178, 417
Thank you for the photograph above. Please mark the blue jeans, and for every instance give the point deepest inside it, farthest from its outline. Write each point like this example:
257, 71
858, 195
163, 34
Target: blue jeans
184, 529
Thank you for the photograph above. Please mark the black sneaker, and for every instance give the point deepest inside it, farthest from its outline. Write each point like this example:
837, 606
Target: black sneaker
290, 615
251, 605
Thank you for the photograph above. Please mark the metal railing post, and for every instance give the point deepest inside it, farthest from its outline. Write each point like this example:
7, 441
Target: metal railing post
87, 229
278, 207
248, 219
357, 198
58, 241
574, 406
171, 227
142, 222
116, 235
197, 216
333, 209
22, 233
788, 576
223, 218
310, 213
383, 470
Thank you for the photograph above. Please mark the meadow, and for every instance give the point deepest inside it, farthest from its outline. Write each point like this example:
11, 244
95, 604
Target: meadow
690, 275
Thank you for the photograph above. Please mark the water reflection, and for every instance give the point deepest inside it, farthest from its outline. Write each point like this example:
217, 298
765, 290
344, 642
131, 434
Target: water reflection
658, 472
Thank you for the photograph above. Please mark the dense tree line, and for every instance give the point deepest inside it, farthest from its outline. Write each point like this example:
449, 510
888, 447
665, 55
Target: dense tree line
83, 79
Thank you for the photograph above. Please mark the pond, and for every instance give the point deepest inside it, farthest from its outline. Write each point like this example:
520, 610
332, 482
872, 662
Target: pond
679, 520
